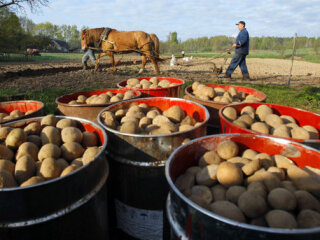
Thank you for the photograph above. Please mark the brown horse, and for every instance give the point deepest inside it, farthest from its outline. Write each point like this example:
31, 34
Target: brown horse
155, 40
121, 42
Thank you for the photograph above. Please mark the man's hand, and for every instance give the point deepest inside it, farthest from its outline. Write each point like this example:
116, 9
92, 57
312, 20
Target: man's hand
234, 45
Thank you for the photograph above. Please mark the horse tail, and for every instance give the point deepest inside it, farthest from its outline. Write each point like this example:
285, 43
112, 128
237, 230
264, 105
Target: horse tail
155, 41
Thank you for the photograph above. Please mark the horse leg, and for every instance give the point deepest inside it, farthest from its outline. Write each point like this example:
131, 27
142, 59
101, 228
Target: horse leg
155, 63
111, 55
97, 62
144, 61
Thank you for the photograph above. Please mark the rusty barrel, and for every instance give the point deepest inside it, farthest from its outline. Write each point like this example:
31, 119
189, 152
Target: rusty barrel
173, 91
302, 117
86, 111
69, 207
23, 106
213, 107
137, 180
189, 221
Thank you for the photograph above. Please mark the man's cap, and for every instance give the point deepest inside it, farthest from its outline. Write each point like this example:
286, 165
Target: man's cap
241, 22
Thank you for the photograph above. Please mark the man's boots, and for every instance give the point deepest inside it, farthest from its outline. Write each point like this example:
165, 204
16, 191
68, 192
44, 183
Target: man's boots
84, 66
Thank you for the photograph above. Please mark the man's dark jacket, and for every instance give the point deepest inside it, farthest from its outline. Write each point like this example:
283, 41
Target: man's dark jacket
242, 40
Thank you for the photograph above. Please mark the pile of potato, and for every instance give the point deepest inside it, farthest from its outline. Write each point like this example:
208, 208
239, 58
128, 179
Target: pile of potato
103, 98
4, 117
154, 82
43, 150
255, 188
142, 119
221, 95
264, 120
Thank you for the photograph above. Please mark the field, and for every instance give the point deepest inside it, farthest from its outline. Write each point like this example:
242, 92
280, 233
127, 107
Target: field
53, 75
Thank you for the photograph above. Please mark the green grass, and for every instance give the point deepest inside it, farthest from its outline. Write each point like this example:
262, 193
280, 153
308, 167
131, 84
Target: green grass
57, 56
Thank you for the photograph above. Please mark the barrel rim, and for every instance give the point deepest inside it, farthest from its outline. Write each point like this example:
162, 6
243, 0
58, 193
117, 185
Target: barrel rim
147, 135
58, 102
188, 92
150, 89
224, 219
82, 120
24, 116
222, 117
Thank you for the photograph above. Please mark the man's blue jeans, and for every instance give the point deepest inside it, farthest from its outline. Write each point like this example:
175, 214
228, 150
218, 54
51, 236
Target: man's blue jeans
87, 55
238, 60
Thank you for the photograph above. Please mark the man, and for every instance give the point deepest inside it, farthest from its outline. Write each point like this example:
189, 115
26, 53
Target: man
86, 56
241, 47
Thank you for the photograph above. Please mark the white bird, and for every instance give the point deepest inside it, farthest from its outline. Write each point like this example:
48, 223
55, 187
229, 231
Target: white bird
173, 60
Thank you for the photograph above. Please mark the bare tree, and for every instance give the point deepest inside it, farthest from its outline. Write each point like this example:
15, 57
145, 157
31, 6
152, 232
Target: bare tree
16, 5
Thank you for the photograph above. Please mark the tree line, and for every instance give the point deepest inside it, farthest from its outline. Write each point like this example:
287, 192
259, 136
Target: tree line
20, 33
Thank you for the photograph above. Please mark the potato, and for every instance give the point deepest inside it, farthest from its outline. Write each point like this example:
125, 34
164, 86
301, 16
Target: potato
33, 128
50, 169
278, 172
233, 193
308, 219
282, 161
209, 157
16, 113
152, 113
73, 102
225, 100
115, 99
259, 188
247, 119
49, 120
7, 179
280, 219
300, 133
135, 114
203, 192
269, 180
313, 132
185, 127
128, 94
28, 149
35, 139
240, 123
15, 138
287, 119
175, 114
188, 121
218, 192
227, 149
228, 174
89, 139
25, 169
118, 114
78, 162
228, 210
185, 182
193, 170
230, 113
6, 153
281, 131
288, 185
66, 122
251, 167
233, 91
265, 159
71, 134
71, 151
169, 126
32, 181
260, 127
195, 85
249, 154
208, 175
199, 201
7, 165
248, 110
133, 81
281, 198
252, 204
164, 83
238, 161
49, 150
292, 126
130, 127
261, 222
273, 120
306, 200
68, 170
145, 121
263, 111
50, 135
90, 154
160, 119
38, 166
81, 99
4, 131
62, 163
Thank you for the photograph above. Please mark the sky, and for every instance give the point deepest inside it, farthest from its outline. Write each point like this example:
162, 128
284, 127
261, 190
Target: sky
189, 18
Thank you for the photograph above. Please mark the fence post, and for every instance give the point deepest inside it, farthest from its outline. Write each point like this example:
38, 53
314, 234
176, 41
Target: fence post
292, 57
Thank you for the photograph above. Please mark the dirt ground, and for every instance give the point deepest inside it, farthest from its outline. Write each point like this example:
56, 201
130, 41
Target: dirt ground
33, 76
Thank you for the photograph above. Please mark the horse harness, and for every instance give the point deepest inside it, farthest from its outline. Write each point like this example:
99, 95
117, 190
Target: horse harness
104, 36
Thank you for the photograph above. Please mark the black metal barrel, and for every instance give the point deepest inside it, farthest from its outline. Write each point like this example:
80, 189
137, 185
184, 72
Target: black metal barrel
64, 208
137, 180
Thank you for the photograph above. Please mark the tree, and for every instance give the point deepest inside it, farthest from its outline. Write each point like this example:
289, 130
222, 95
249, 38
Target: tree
173, 37
16, 5
46, 29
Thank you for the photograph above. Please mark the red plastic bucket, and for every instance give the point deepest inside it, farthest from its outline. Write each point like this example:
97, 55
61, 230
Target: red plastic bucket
189, 219
174, 91
86, 111
302, 117
213, 107
23, 106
